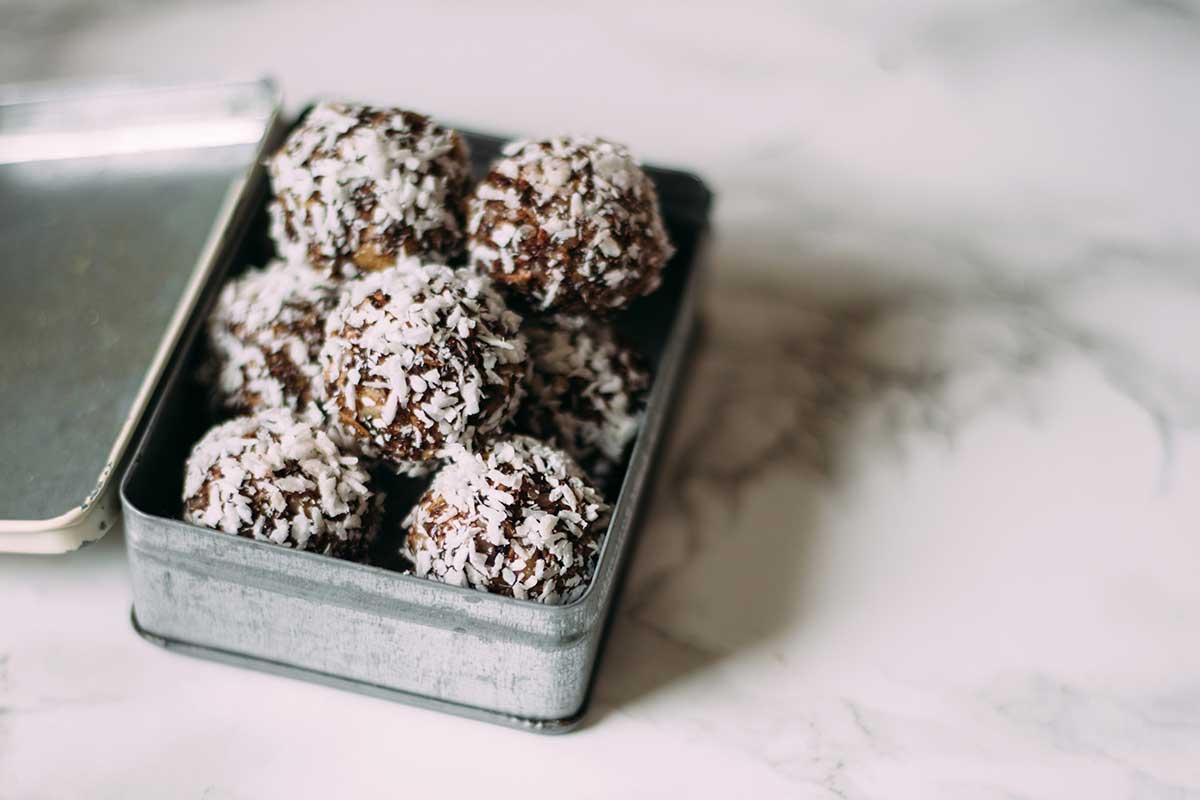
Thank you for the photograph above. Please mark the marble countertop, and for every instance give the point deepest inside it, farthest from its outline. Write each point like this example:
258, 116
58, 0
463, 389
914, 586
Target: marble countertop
928, 524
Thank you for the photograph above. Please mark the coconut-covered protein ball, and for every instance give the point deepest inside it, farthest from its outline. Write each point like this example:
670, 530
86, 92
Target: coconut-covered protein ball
420, 358
264, 336
587, 391
569, 224
358, 188
273, 477
517, 519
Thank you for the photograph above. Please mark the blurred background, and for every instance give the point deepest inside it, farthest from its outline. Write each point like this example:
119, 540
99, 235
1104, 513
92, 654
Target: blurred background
927, 522
991, 119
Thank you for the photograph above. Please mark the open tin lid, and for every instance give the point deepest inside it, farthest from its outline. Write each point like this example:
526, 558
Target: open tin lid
108, 196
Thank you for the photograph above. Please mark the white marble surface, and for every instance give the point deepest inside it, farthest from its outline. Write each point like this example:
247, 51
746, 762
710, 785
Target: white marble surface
930, 523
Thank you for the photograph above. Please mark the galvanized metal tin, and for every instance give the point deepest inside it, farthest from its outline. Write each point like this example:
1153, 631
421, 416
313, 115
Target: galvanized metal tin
108, 196
371, 629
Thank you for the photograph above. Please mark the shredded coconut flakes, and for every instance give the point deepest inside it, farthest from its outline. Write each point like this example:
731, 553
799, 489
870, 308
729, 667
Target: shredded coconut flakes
517, 519
359, 188
587, 391
273, 477
420, 358
264, 336
572, 223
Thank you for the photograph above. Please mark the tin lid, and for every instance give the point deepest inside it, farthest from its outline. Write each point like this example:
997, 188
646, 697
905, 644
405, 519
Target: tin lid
108, 196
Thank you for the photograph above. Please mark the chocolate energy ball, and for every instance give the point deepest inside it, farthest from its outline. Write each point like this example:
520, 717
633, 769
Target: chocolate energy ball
569, 224
518, 519
276, 478
419, 358
587, 391
358, 188
264, 337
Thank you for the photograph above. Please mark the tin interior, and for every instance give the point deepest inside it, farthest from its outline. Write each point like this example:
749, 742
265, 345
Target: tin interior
155, 482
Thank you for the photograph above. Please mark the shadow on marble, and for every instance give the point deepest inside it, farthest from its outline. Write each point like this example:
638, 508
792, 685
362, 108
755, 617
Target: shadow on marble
733, 523
792, 390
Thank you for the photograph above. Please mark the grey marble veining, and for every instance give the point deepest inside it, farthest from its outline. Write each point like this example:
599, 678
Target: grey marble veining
927, 527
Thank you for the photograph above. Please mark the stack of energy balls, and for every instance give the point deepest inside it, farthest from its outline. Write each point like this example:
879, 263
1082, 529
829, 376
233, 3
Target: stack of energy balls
422, 323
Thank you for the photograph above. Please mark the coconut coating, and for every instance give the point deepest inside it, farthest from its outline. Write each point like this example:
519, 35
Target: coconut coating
264, 336
358, 188
273, 477
517, 519
419, 358
569, 224
587, 391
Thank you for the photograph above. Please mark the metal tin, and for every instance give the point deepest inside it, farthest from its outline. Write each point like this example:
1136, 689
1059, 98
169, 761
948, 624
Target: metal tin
371, 629
108, 196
